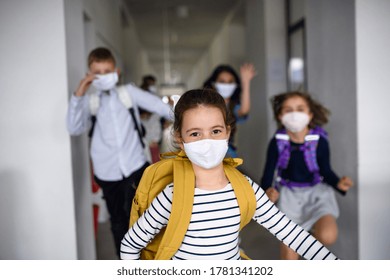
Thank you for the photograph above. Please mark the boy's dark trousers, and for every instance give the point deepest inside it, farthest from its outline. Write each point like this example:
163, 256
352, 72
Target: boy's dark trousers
119, 197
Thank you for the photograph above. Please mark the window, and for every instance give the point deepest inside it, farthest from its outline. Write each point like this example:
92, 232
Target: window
296, 46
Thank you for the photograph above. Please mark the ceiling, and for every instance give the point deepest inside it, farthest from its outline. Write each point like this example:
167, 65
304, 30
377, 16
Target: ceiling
175, 33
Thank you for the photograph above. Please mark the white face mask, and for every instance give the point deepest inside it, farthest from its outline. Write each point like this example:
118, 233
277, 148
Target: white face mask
226, 90
106, 81
206, 153
295, 121
153, 89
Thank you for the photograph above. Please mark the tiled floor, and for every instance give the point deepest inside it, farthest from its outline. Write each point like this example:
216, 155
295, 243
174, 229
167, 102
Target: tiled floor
105, 249
257, 243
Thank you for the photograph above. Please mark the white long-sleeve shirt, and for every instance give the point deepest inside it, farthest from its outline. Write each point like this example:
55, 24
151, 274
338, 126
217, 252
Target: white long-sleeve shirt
152, 126
214, 227
116, 150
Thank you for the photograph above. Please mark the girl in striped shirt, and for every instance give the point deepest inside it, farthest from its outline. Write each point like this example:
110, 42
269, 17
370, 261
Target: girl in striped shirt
202, 127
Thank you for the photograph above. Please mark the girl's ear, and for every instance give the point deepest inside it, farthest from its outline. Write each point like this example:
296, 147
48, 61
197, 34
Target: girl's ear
228, 130
280, 118
311, 116
179, 140
118, 71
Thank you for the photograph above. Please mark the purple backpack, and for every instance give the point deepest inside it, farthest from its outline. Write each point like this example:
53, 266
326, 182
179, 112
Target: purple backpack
309, 150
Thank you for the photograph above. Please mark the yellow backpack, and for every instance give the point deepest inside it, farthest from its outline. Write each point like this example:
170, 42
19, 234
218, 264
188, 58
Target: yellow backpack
178, 169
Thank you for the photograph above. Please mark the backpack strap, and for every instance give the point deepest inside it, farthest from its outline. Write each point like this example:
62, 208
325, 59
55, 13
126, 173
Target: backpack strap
154, 179
124, 97
245, 195
309, 149
94, 103
283, 144
181, 212
320, 131
246, 198
310, 152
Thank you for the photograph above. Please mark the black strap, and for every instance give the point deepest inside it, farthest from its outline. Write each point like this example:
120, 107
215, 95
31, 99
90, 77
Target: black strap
131, 110
90, 133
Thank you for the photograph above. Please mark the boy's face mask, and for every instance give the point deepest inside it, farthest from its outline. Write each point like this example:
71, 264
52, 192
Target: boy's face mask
206, 153
295, 121
153, 89
226, 90
106, 81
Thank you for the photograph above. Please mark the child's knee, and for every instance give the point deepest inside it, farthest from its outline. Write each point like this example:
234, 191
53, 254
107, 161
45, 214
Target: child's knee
327, 236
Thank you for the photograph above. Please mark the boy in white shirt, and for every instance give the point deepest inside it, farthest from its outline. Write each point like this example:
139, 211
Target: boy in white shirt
117, 151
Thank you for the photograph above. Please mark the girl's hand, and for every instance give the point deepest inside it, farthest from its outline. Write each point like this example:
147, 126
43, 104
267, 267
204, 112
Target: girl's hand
272, 194
247, 72
345, 183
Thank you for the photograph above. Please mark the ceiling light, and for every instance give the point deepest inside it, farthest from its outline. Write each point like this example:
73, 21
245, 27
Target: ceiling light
182, 11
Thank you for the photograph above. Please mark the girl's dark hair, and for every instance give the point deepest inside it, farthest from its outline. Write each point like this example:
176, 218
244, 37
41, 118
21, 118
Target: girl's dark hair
209, 83
320, 113
198, 97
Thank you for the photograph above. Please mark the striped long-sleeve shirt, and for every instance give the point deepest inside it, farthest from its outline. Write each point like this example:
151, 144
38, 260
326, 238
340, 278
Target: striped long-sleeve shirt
214, 227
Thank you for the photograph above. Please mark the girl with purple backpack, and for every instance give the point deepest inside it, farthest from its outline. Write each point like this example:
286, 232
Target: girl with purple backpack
297, 174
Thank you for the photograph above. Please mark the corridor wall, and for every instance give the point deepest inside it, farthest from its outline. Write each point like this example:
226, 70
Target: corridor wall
331, 46
45, 189
36, 191
227, 47
373, 99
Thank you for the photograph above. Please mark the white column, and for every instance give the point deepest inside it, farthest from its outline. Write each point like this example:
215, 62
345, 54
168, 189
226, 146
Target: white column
36, 189
332, 81
266, 48
373, 99
78, 38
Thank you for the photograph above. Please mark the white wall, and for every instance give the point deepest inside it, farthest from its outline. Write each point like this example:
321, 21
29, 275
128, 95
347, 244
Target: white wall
227, 47
135, 58
200, 73
265, 47
105, 16
76, 42
373, 99
219, 49
332, 81
45, 204
36, 191
276, 55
